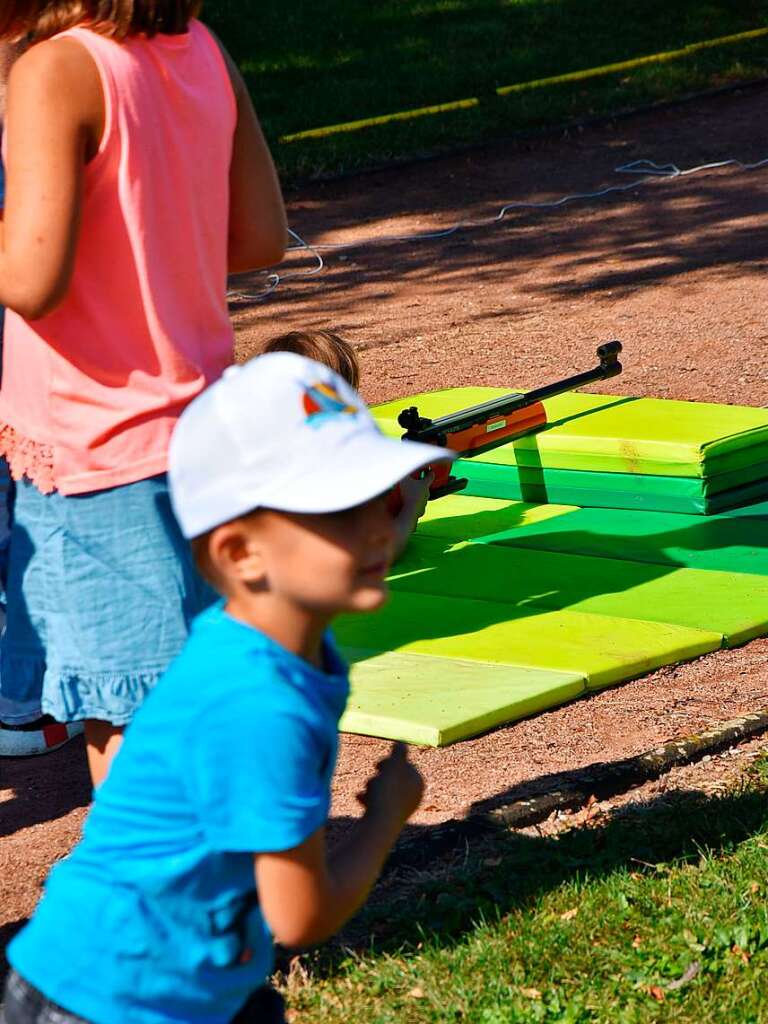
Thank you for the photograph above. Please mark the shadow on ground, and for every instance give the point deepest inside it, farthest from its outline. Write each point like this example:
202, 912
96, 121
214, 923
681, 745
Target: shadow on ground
450, 903
622, 242
44, 788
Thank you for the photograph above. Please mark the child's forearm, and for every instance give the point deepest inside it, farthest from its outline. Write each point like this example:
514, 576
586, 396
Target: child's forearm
414, 493
355, 865
306, 896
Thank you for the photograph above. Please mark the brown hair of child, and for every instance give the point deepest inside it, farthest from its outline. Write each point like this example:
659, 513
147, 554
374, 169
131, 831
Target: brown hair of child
322, 346
117, 19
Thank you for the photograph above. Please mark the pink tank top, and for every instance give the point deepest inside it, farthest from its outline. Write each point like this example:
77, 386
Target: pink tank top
91, 392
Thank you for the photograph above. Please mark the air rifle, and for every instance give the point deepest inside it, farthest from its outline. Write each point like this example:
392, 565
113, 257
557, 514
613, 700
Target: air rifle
480, 428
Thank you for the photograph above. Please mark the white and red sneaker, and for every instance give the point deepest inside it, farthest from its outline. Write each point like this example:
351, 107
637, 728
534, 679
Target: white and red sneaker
38, 737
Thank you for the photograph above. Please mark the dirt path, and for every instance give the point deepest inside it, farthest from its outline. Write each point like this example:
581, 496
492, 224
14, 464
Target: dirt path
675, 269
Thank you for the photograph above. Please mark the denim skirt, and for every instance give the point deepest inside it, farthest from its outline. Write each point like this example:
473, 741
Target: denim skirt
100, 597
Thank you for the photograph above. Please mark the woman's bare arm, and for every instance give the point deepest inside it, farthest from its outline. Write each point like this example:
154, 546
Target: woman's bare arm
258, 232
54, 117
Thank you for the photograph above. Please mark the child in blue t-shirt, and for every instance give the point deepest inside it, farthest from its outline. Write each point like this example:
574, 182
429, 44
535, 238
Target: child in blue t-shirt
208, 836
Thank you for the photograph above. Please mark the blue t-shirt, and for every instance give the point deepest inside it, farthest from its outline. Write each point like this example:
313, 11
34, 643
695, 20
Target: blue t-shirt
154, 916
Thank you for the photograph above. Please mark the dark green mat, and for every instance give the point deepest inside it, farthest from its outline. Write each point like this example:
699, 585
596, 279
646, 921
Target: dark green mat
612, 490
734, 541
732, 604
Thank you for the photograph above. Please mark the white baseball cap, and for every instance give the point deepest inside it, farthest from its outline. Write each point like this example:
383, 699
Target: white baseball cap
286, 433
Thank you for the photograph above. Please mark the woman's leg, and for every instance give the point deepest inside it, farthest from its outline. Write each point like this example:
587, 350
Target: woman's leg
102, 742
108, 590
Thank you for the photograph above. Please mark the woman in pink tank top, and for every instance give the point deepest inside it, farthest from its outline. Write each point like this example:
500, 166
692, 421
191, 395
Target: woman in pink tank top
137, 178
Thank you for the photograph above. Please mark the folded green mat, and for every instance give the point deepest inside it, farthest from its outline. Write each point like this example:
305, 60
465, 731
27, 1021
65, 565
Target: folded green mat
609, 433
611, 490
604, 650
434, 701
735, 541
732, 604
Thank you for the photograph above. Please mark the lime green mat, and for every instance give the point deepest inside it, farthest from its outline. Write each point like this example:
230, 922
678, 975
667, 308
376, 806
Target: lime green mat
609, 433
611, 490
734, 541
459, 517
434, 701
734, 605
602, 649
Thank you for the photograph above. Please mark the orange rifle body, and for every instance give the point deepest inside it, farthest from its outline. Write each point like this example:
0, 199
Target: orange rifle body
481, 428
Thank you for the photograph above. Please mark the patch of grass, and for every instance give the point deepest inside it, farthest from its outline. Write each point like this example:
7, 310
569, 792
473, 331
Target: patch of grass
660, 915
309, 66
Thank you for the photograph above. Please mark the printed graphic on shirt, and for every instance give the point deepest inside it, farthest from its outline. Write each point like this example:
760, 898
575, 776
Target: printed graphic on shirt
323, 402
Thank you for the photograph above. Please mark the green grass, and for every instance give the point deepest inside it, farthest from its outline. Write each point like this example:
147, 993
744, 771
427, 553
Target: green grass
311, 65
660, 915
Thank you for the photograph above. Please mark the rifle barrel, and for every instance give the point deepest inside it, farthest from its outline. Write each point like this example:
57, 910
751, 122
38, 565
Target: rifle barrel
609, 366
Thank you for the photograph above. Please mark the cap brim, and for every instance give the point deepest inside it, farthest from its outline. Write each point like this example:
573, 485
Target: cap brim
367, 466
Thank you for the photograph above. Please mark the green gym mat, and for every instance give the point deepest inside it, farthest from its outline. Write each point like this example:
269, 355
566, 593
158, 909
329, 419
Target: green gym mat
735, 541
614, 434
434, 701
610, 490
604, 650
490, 591
734, 605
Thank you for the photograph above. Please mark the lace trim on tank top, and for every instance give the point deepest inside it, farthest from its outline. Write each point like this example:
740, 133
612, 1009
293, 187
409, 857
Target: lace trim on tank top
28, 458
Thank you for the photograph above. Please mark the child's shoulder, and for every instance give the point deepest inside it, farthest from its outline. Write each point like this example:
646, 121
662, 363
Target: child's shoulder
227, 663
222, 647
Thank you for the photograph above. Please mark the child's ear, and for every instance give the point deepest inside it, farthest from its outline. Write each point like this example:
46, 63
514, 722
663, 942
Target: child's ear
237, 553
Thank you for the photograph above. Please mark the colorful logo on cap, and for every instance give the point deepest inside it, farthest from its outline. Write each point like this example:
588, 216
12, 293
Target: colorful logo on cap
323, 402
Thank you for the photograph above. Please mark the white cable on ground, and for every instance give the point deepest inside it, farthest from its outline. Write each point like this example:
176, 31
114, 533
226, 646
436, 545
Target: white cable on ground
275, 279
647, 169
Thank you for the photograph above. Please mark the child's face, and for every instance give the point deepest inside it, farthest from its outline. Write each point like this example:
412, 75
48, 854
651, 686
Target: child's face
330, 563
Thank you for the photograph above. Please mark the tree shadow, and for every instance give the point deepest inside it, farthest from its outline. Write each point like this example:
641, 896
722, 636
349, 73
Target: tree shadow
45, 788
658, 538
306, 72
669, 828
662, 231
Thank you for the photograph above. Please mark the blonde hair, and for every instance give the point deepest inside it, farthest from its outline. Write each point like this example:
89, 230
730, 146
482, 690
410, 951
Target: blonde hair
117, 19
324, 347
